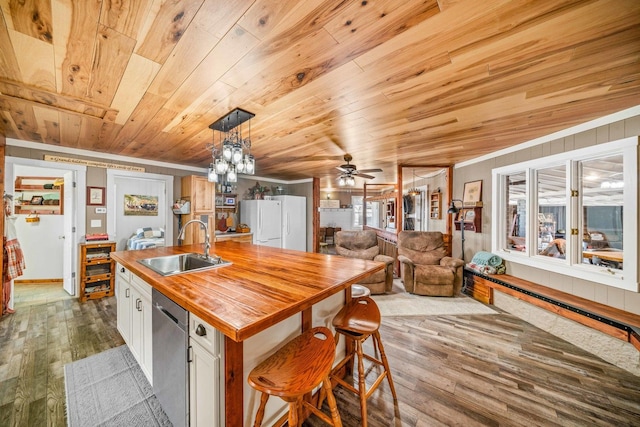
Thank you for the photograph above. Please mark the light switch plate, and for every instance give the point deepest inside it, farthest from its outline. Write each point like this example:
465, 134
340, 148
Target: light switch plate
101, 210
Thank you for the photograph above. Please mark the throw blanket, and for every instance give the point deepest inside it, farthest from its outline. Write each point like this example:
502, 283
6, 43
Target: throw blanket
145, 238
486, 258
487, 263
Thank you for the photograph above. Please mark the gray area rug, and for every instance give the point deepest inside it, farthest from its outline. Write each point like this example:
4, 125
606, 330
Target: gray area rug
110, 389
400, 303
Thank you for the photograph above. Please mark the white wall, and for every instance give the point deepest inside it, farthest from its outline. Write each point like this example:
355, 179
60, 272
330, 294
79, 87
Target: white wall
337, 218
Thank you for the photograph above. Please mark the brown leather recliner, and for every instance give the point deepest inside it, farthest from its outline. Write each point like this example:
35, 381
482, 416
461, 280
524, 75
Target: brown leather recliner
426, 268
364, 245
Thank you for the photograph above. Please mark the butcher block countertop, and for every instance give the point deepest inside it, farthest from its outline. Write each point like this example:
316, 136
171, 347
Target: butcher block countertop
262, 287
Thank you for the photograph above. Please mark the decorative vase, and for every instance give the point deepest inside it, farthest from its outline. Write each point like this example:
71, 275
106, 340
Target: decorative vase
259, 196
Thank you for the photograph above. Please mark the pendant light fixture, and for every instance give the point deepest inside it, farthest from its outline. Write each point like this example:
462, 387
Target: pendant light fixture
414, 191
229, 158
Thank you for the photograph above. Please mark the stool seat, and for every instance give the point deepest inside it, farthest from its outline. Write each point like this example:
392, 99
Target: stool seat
295, 370
359, 320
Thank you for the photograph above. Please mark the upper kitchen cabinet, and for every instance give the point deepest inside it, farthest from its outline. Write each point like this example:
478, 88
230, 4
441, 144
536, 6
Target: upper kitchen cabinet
39, 195
200, 192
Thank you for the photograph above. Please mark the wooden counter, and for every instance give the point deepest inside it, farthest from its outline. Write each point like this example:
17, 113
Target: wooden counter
262, 287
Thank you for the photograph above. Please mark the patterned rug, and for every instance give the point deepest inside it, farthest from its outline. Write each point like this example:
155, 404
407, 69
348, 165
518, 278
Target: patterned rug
110, 389
400, 303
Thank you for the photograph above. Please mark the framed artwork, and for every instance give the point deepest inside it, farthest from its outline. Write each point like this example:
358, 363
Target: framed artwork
137, 205
95, 196
472, 192
229, 200
36, 200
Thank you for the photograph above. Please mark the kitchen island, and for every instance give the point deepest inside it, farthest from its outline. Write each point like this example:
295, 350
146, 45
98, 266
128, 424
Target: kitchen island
262, 289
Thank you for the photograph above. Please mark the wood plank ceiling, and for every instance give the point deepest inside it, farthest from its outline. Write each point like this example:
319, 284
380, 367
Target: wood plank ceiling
390, 82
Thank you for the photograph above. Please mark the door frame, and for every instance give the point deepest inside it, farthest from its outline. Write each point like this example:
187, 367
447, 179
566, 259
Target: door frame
112, 217
79, 216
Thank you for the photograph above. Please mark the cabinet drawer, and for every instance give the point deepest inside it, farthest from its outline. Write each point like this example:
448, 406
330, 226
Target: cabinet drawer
104, 270
123, 272
204, 334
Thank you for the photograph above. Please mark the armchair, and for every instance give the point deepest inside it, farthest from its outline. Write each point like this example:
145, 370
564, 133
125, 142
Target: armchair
364, 245
425, 267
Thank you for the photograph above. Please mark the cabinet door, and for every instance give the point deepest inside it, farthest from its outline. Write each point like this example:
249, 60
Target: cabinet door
141, 329
203, 195
123, 296
204, 387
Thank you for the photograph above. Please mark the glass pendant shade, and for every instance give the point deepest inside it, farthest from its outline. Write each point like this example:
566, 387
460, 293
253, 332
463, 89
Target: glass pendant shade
341, 182
212, 176
232, 176
227, 150
221, 166
241, 166
250, 164
236, 154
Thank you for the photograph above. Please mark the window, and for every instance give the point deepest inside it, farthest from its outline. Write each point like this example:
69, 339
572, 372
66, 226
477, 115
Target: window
566, 213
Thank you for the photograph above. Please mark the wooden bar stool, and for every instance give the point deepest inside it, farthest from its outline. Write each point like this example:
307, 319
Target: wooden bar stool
295, 370
359, 320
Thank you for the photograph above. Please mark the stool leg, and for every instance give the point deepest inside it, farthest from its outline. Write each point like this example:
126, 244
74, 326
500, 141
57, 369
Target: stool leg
260, 414
361, 384
383, 356
331, 400
293, 412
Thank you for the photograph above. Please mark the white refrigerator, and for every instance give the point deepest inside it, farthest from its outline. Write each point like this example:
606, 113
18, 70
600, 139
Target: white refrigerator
294, 222
264, 217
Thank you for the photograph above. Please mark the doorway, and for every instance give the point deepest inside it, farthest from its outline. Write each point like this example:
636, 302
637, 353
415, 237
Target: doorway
50, 244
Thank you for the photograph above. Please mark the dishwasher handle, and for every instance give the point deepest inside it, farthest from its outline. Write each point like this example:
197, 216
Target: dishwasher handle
166, 313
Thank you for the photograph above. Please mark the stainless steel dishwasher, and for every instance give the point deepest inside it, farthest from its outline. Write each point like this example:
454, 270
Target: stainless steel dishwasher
170, 368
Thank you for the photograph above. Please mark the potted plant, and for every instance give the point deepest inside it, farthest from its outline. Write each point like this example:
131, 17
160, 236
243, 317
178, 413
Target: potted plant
258, 191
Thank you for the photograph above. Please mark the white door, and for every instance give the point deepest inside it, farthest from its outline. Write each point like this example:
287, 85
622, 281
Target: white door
68, 246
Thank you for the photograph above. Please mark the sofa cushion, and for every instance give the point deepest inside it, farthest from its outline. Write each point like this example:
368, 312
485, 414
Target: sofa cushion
422, 247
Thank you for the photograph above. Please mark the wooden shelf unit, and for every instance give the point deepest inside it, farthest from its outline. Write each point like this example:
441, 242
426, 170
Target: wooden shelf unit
97, 270
28, 187
472, 222
435, 205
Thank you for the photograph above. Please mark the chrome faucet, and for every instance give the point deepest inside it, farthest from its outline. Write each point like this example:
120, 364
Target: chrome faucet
207, 245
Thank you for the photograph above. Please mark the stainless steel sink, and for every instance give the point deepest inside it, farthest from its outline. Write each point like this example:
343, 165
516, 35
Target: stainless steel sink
182, 263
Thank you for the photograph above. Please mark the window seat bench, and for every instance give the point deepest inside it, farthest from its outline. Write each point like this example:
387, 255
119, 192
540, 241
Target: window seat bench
609, 320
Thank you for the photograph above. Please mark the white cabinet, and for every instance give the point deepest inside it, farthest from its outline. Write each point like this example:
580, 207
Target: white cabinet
134, 317
123, 295
141, 329
205, 379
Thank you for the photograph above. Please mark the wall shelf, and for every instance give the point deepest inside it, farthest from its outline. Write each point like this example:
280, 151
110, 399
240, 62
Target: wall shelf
472, 219
38, 194
435, 205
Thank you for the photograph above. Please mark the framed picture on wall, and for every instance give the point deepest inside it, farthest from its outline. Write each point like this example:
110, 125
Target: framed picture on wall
95, 196
472, 193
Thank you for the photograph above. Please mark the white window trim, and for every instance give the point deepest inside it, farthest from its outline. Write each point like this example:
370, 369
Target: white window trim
570, 266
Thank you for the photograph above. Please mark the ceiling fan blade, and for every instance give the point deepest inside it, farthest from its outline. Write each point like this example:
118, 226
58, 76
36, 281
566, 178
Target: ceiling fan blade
370, 170
341, 169
364, 175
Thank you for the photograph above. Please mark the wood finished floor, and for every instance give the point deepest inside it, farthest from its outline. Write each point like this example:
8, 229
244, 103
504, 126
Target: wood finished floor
474, 370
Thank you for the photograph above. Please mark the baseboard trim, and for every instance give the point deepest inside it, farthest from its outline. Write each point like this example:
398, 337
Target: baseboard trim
38, 281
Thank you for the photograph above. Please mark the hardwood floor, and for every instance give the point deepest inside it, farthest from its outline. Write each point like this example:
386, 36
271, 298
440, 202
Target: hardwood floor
474, 370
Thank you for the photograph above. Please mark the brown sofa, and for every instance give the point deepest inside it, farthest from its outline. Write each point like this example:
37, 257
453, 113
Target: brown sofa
425, 267
364, 245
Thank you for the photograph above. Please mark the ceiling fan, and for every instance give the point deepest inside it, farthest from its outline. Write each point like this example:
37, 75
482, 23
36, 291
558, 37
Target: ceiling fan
349, 172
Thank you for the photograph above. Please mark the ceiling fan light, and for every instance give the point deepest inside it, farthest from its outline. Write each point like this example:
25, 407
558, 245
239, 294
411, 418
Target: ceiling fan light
341, 182
350, 182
